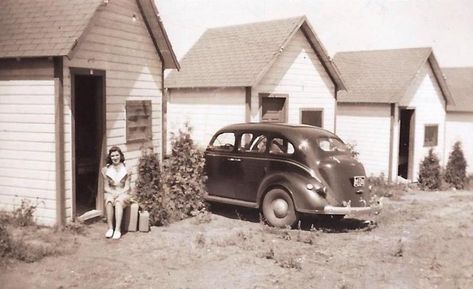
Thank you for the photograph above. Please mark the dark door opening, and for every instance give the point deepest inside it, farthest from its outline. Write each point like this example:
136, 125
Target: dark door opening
406, 117
88, 114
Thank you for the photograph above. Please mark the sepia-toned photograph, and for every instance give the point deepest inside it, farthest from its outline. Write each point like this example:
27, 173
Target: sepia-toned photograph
236, 144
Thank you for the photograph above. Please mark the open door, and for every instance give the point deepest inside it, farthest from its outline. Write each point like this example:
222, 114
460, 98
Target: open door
88, 105
406, 143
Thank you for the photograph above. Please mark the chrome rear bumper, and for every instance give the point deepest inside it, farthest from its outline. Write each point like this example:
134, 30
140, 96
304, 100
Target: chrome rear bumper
348, 210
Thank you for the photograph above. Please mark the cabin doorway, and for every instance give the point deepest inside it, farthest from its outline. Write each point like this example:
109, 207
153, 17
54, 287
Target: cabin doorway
406, 141
88, 102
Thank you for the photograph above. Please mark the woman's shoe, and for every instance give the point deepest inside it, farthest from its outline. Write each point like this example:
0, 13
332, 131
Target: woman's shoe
109, 233
116, 235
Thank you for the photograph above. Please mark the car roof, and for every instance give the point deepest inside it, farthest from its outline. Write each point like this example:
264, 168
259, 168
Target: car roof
288, 130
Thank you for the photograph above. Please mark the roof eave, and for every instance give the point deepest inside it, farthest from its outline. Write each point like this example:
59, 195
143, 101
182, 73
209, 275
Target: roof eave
270, 63
158, 33
322, 53
441, 79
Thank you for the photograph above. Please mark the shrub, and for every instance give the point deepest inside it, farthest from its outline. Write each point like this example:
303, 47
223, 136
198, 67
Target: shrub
176, 191
182, 179
352, 149
455, 173
381, 187
23, 216
148, 184
429, 172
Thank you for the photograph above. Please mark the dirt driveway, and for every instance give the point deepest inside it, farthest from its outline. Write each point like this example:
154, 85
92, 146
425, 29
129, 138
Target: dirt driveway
423, 240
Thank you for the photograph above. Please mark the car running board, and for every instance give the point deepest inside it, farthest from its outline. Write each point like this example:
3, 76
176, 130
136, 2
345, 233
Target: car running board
228, 201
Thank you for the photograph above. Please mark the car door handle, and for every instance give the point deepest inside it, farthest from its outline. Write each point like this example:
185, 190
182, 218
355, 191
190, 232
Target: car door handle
234, 160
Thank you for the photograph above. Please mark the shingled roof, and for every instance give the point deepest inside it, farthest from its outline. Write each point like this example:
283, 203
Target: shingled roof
383, 76
44, 28
460, 83
240, 55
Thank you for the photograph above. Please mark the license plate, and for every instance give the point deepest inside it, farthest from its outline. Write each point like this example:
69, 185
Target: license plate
358, 181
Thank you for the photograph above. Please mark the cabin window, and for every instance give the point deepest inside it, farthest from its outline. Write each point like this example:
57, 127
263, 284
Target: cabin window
138, 120
223, 142
311, 117
273, 107
431, 135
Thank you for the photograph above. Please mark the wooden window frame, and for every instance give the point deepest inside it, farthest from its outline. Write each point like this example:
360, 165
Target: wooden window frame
274, 95
301, 110
147, 105
436, 140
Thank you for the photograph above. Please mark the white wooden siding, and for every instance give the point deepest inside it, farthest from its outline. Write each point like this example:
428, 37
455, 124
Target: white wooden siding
124, 49
459, 127
27, 147
426, 97
206, 110
367, 126
299, 73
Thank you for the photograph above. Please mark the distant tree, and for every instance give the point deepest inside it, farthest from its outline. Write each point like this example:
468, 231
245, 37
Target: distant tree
430, 172
455, 173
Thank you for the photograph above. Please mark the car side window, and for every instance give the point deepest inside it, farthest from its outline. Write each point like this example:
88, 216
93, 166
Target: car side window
245, 142
280, 146
223, 142
258, 144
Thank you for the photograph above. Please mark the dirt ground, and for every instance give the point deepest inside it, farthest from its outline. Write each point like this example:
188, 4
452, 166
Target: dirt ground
420, 240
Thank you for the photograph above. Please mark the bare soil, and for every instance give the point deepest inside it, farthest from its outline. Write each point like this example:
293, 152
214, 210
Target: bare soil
420, 240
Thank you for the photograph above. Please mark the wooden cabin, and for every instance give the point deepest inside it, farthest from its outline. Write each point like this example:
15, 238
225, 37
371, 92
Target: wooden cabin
459, 119
273, 71
76, 77
394, 108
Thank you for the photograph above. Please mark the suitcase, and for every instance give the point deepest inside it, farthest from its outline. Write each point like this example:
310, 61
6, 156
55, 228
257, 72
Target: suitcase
144, 221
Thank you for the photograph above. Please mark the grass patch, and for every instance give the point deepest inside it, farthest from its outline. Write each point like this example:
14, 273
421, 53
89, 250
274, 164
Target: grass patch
22, 240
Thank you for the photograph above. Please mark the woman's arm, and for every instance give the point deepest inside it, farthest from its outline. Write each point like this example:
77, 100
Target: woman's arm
106, 187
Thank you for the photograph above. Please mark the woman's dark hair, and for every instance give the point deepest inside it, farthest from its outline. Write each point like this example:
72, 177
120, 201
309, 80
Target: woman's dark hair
115, 149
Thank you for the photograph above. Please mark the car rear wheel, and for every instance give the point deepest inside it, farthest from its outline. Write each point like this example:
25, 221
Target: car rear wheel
278, 209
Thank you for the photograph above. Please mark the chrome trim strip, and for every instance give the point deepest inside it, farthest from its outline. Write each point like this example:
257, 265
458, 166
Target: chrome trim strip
210, 198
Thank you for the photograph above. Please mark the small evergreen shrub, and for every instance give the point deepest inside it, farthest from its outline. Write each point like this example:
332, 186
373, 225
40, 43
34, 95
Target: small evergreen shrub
176, 191
148, 184
455, 174
430, 172
182, 179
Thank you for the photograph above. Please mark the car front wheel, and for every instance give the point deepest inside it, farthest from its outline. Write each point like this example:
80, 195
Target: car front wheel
278, 209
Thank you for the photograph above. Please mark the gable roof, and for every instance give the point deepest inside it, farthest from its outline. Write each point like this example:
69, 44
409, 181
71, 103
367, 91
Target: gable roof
460, 83
383, 76
240, 55
44, 28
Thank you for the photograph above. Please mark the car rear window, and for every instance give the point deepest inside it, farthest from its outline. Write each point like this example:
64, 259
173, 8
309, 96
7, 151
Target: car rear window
223, 142
329, 144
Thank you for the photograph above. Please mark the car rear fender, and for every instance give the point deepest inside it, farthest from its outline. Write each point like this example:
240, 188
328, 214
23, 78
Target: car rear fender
295, 184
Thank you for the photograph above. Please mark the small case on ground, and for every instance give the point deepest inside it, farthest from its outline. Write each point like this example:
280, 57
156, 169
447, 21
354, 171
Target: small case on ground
131, 218
144, 221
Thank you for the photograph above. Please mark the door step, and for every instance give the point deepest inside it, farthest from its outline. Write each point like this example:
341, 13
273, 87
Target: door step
90, 216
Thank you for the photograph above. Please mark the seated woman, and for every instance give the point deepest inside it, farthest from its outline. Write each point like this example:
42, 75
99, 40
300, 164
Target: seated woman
117, 189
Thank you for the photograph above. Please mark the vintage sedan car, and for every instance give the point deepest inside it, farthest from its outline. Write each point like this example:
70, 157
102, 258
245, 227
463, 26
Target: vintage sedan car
285, 170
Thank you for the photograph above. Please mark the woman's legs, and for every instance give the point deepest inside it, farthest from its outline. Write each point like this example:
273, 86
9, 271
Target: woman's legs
109, 211
118, 220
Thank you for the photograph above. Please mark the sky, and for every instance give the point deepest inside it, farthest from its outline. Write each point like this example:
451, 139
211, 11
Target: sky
342, 25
